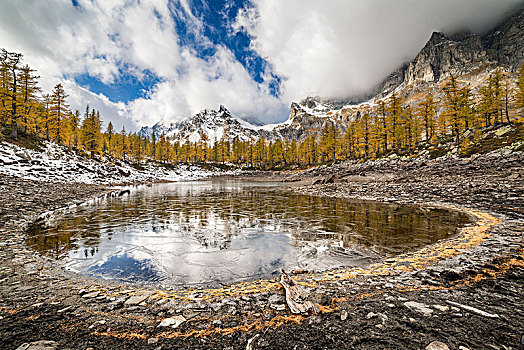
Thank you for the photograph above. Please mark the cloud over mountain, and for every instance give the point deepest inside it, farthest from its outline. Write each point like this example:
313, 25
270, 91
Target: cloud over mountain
144, 61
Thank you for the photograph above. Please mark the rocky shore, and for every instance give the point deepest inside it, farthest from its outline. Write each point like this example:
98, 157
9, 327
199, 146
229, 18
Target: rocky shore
463, 293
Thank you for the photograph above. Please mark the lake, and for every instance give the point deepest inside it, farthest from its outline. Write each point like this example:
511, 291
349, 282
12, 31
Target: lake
214, 232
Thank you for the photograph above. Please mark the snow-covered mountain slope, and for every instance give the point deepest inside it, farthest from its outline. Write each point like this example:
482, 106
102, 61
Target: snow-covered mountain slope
208, 124
306, 117
60, 164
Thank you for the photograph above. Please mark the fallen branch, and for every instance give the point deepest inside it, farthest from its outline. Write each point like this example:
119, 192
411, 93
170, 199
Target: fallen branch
472, 309
296, 296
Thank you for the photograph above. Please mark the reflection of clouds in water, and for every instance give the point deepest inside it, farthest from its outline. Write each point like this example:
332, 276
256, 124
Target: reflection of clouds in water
126, 268
180, 259
224, 231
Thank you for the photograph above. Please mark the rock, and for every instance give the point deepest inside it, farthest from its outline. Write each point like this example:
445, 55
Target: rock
65, 309
437, 345
343, 315
39, 345
136, 299
278, 307
370, 315
275, 299
441, 307
91, 295
118, 303
100, 322
124, 192
251, 342
331, 180
419, 307
172, 322
151, 341
503, 131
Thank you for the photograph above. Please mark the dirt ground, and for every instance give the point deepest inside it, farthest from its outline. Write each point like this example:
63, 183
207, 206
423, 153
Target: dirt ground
407, 302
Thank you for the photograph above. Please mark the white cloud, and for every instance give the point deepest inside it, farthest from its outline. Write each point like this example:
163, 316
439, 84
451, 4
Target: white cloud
98, 38
339, 48
80, 97
324, 48
219, 80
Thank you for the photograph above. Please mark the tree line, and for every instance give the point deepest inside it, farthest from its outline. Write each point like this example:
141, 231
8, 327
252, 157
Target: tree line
389, 125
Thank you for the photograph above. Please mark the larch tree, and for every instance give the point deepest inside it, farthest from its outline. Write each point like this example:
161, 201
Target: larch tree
394, 111
452, 106
109, 134
74, 129
29, 90
382, 126
426, 110
519, 95
10, 63
91, 132
58, 113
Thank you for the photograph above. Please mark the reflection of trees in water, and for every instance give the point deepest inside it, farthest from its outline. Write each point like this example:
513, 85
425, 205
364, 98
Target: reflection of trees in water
214, 217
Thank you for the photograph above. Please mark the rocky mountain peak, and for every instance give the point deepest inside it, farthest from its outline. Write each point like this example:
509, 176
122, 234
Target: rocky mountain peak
505, 43
437, 38
459, 54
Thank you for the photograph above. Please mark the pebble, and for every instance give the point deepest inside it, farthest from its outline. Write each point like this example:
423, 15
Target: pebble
441, 307
437, 345
422, 308
151, 341
343, 315
172, 322
39, 345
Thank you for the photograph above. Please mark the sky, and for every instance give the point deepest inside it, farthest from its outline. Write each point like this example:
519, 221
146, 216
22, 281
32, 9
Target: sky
146, 61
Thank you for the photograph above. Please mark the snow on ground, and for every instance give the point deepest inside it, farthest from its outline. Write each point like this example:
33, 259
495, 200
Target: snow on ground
59, 164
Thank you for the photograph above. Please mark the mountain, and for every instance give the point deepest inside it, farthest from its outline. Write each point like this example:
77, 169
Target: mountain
210, 124
307, 117
470, 57
461, 54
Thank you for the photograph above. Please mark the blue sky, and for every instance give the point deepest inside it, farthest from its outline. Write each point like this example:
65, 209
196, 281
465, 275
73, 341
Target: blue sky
145, 61
216, 17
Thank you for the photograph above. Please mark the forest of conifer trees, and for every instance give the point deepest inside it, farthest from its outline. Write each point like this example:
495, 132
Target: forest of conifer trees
388, 126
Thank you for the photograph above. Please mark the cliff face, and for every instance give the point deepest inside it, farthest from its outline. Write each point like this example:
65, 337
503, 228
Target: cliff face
443, 56
505, 44
305, 118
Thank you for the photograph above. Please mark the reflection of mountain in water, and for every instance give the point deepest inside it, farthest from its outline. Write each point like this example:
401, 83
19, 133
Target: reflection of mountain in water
216, 231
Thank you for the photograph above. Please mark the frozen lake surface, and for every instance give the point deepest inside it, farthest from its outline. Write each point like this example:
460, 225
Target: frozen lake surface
226, 231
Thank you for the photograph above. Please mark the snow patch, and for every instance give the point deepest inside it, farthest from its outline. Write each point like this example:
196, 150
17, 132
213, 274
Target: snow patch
60, 164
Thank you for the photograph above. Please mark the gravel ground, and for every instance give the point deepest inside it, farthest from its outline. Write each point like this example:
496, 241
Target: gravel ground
408, 302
